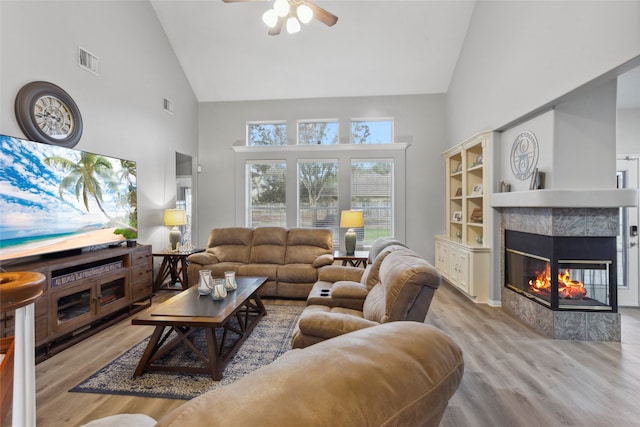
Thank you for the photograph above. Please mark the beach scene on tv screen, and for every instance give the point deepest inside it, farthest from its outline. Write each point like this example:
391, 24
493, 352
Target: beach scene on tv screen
56, 199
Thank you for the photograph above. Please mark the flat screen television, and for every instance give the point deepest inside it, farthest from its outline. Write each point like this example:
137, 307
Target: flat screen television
57, 200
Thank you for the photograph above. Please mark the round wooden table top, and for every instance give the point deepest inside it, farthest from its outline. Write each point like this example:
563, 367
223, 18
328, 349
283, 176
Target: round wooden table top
19, 288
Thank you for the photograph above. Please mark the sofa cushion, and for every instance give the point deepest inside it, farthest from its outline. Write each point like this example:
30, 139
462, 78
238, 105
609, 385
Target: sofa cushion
379, 244
322, 260
348, 289
231, 244
394, 375
268, 270
297, 273
268, 245
403, 274
371, 275
304, 245
334, 273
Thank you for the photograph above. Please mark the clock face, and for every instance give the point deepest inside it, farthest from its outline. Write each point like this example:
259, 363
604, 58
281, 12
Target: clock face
524, 155
53, 116
46, 113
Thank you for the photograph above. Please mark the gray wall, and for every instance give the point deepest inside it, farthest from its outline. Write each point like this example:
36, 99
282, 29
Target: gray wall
419, 121
628, 131
122, 108
520, 55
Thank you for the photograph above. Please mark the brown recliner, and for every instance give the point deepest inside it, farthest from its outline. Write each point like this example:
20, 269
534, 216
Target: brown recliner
395, 375
347, 287
405, 289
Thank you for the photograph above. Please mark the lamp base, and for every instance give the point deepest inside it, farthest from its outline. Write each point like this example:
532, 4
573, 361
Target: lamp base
174, 237
350, 241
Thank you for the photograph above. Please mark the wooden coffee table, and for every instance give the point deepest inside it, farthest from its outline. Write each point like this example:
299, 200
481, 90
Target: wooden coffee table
187, 312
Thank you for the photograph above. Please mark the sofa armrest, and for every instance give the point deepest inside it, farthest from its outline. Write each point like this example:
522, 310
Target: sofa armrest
349, 290
330, 324
322, 260
203, 258
335, 273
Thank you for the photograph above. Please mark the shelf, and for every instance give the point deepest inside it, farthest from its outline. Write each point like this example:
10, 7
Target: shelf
598, 198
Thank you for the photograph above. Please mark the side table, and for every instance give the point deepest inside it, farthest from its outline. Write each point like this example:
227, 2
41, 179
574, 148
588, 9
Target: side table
359, 258
174, 266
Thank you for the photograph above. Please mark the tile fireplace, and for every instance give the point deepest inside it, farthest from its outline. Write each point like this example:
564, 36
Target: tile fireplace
559, 271
562, 272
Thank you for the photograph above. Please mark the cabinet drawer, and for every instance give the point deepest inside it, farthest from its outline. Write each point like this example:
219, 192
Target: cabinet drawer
141, 273
141, 290
141, 256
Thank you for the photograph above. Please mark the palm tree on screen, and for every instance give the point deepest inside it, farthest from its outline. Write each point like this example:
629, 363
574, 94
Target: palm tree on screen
85, 179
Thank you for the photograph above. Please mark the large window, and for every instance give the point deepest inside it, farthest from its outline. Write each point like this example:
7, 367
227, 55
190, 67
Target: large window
266, 204
372, 192
317, 132
367, 131
310, 183
318, 194
263, 133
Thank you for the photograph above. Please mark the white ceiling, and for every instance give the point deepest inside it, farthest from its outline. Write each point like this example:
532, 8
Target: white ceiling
379, 47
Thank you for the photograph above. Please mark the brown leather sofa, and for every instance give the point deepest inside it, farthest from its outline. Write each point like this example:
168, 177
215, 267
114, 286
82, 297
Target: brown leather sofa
403, 290
399, 374
347, 287
290, 258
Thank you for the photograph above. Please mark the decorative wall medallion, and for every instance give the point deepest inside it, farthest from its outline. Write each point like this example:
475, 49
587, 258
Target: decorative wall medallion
46, 113
524, 155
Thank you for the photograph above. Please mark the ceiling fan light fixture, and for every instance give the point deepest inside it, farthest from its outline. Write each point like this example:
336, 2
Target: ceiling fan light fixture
293, 25
270, 17
281, 7
305, 14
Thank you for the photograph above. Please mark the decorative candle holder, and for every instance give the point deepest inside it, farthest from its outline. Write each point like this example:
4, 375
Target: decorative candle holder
218, 292
205, 282
230, 281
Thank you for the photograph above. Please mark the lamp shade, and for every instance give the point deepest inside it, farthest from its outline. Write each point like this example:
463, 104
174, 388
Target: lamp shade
351, 219
174, 217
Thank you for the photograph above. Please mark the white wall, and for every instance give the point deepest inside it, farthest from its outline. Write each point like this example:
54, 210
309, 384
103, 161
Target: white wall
122, 108
584, 153
520, 55
419, 121
628, 131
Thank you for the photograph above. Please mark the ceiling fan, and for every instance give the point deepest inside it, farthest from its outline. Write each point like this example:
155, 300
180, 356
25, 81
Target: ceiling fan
291, 13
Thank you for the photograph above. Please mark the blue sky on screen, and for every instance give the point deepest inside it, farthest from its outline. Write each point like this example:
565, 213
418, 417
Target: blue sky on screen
30, 204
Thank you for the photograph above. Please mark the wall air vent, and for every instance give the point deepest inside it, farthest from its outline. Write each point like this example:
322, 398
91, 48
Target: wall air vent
88, 61
168, 105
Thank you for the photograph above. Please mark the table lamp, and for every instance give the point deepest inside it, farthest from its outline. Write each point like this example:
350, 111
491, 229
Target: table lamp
174, 218
351, 220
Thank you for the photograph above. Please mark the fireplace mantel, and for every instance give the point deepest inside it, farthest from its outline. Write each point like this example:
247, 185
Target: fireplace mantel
596, 198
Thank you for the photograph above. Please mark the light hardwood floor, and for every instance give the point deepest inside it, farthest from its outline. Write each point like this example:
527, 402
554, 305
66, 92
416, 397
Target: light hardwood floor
514, 376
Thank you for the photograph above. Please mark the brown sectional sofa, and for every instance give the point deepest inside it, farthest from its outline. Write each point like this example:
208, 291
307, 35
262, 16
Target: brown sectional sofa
399, 285
397, 374
290, 258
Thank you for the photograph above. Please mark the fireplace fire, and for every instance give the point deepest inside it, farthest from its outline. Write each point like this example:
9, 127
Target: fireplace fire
567, 288
562, 273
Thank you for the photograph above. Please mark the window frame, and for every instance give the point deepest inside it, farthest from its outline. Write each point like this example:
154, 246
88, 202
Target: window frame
372, 119
344, 153
249, 123
304, 121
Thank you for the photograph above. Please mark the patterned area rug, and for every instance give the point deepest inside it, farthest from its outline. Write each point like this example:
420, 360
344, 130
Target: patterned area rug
270, 339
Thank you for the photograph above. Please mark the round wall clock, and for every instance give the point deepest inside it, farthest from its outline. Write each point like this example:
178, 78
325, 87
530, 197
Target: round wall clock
46, 113
524, 155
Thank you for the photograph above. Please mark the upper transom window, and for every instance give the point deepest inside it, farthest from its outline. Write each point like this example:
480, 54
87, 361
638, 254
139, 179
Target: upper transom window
371, 131
266, 133
317, 132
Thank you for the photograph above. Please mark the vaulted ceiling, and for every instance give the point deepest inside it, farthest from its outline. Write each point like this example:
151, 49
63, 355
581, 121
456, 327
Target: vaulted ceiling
378, 47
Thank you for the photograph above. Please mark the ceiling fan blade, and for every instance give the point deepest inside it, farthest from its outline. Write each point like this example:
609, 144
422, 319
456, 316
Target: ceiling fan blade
278, 27
322, 15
